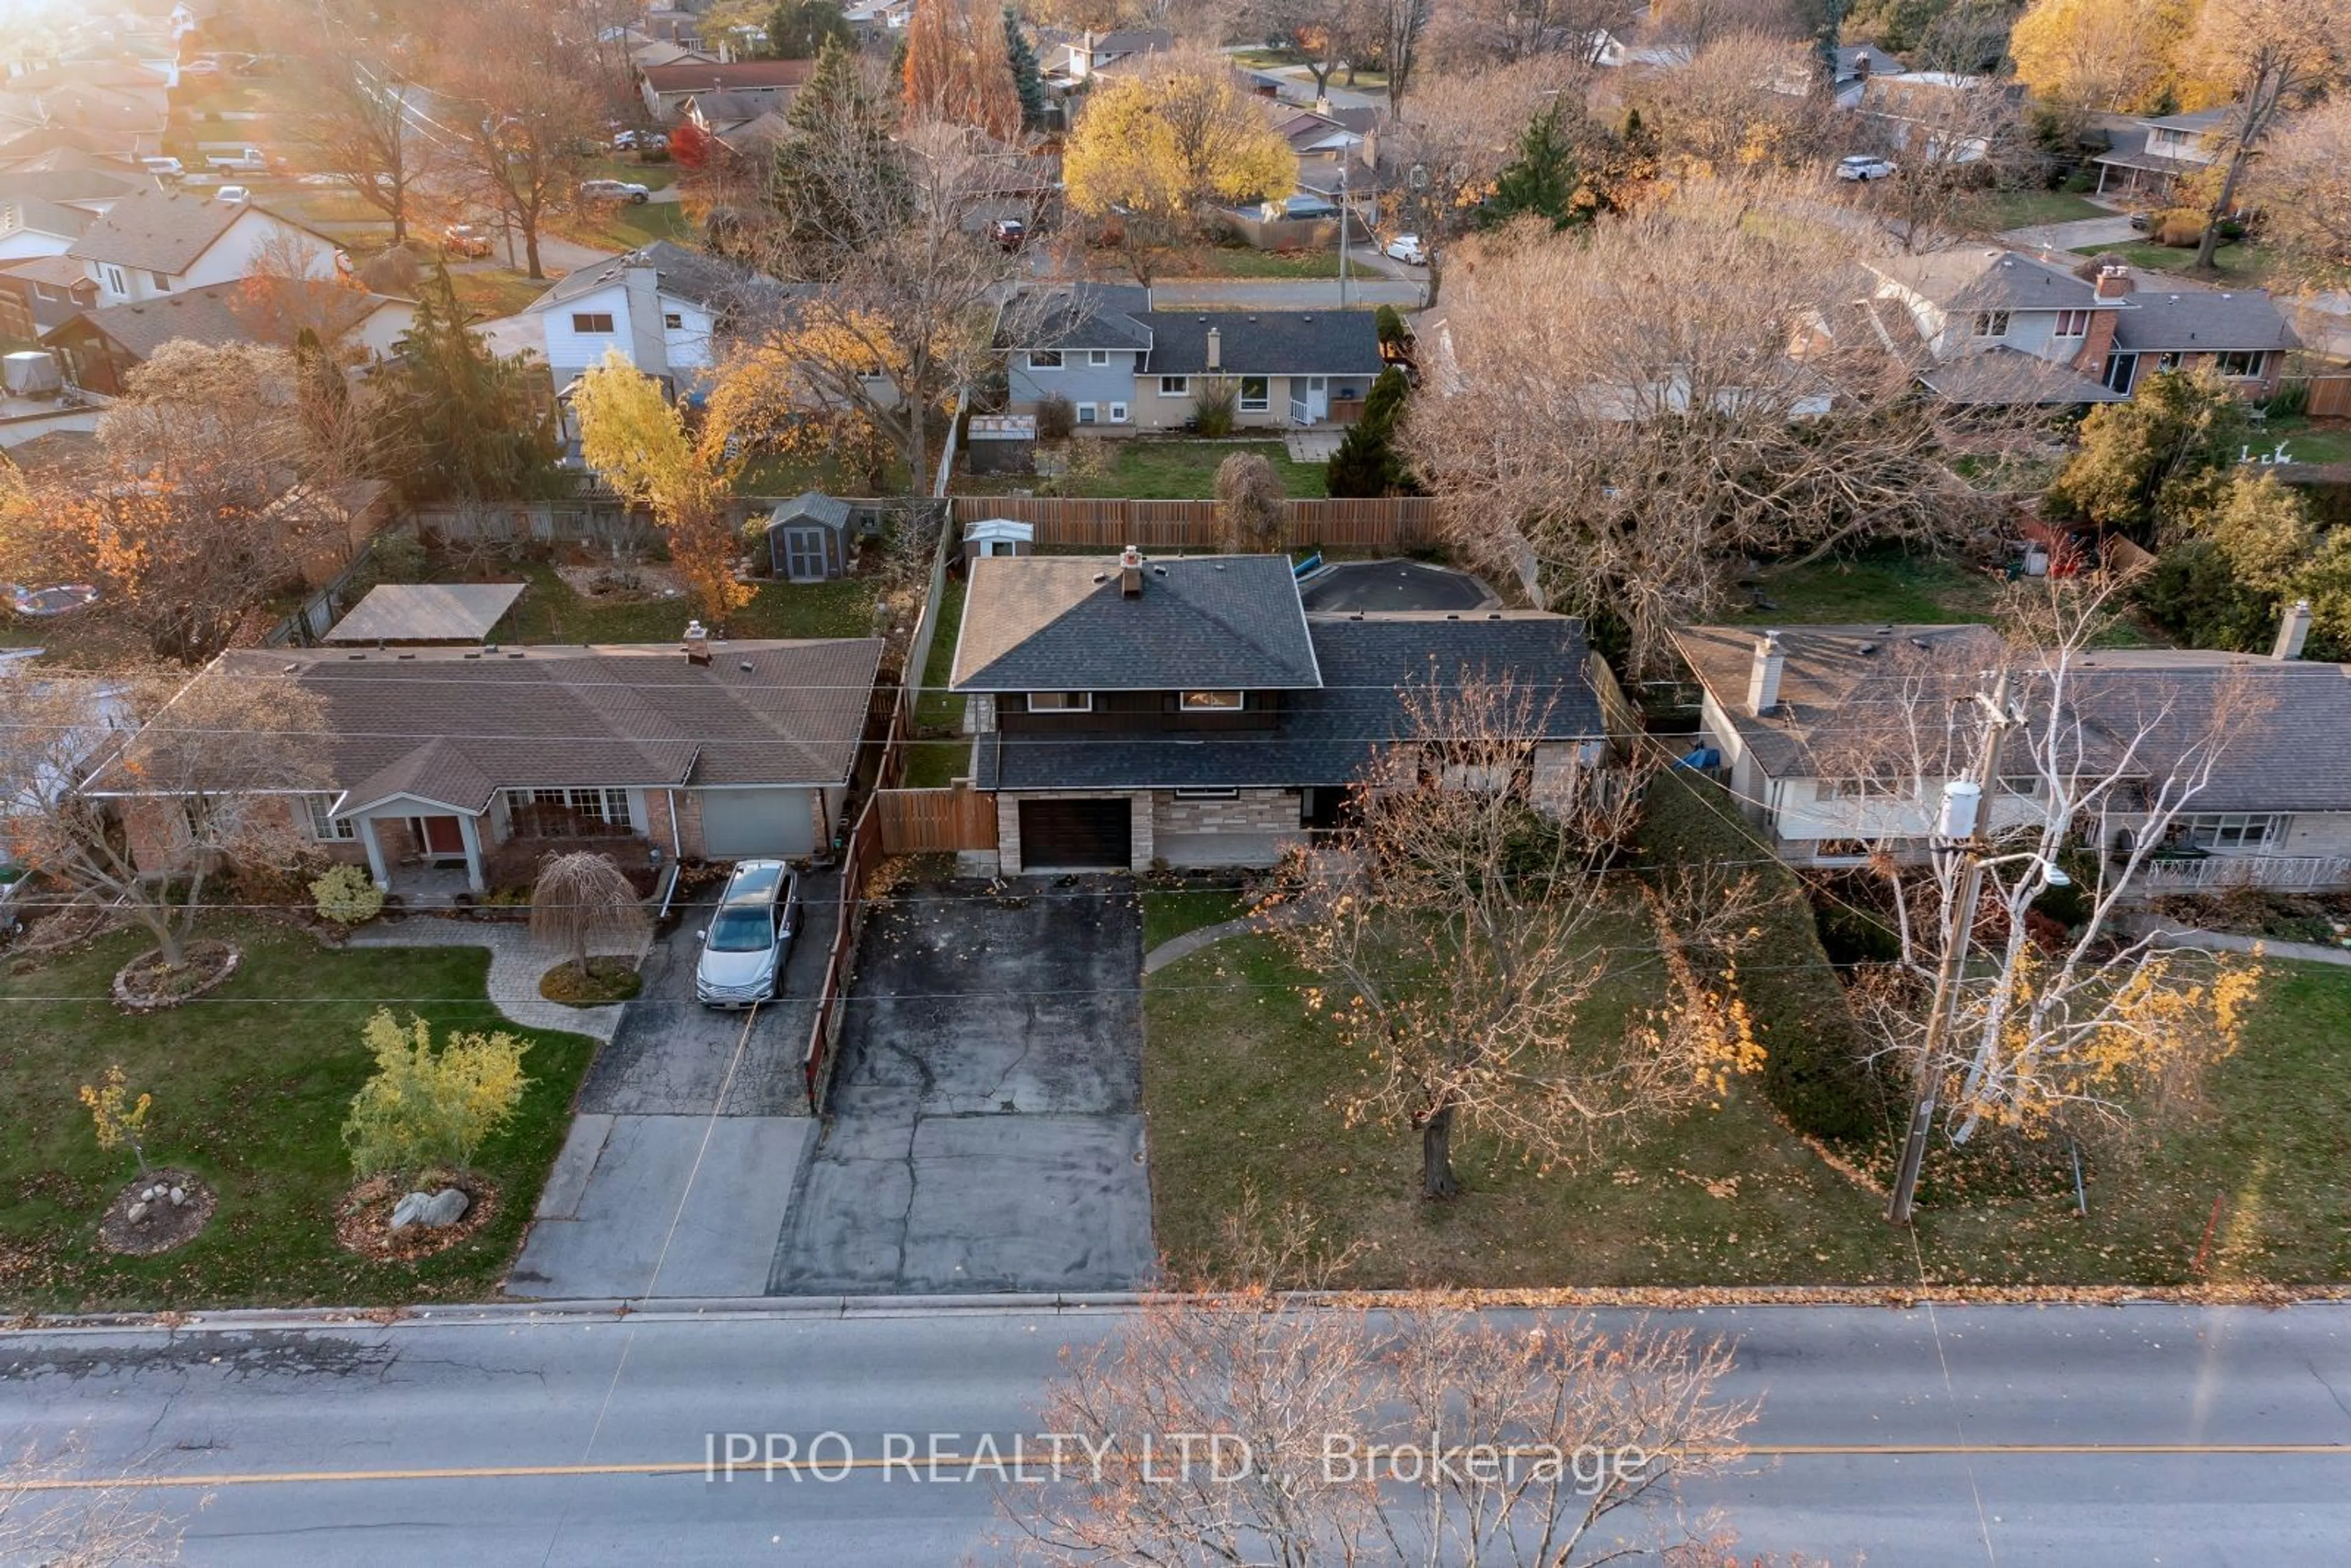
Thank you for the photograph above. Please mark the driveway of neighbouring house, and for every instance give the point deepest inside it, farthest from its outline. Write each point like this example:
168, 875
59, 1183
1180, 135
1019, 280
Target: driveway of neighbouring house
692, 1130
985, 1120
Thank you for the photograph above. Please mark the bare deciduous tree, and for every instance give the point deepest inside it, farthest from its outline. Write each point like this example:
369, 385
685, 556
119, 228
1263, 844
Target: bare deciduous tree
363, 119
1251, 506
2304, 184
91, 1526
201, 786
525, 109
1476, 920
1466, 34
1572, 1430
1954, 143
1725, 112
1716, 394
579, 900
2271, 57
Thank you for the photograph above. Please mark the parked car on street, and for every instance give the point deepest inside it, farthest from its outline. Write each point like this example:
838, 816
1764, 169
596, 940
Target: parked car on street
464, 239
749, 936
1011, 233
163, 168
1864, 166
244, 161
1406, 248
627, 191
233, 194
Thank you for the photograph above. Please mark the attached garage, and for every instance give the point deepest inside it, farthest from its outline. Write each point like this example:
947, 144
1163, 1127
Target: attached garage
1075, 835
737, 824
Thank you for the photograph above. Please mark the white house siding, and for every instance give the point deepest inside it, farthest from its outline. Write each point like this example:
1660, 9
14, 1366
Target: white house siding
26, 242
228, 259
570, 352
383, 327
686, 346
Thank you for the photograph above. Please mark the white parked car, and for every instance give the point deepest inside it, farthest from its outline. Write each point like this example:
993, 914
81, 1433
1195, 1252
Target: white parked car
749, 936
614, 190
233, 194
1408, 248
1864, 166
163, 168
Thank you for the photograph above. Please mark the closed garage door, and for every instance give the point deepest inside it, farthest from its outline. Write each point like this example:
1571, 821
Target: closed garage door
737, 823
1074, 834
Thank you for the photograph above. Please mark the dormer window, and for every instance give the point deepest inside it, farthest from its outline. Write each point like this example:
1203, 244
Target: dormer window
1992, 323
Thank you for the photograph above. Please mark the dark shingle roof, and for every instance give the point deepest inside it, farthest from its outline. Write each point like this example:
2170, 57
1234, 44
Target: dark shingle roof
1271, 343
159, 231
453, 725
1980, 280
2005, 376
1090, 316
2203, 320
1060, 623
1327, 737
735, 76
811, 506
690, 275
220, 313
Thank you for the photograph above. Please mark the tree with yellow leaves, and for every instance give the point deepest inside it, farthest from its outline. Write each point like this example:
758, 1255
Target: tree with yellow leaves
115, 1117
428, 1109
636, 438
2264, 59
2092, 57
1463, 925
1160, 145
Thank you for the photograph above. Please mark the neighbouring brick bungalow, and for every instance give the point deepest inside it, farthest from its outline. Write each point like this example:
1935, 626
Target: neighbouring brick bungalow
1190, 711
439, 755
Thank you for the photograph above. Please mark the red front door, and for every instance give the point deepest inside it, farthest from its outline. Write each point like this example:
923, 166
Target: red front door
443, 836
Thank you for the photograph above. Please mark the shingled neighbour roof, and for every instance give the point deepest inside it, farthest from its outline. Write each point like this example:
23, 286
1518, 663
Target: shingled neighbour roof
735, 76
2005, 377
1091, 316
1980, 280
454, 726
689, 274
1328, 736
1062, 623
2203, 320
223, 313
163, 231
1269, 342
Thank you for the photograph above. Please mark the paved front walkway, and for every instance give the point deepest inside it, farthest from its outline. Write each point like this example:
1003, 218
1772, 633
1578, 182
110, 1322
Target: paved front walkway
2230, 942
2058, 238
516, 965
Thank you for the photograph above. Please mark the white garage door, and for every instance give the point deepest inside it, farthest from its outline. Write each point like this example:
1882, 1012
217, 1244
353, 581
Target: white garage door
738, 823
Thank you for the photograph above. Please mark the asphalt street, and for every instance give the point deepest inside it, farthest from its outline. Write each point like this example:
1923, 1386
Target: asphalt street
2014, 1435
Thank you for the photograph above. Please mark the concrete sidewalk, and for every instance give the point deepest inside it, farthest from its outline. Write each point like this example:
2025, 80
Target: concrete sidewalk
516, 965
2059, 238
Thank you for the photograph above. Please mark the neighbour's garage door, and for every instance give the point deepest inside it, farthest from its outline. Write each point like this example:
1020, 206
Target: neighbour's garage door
1074, 834
739, 823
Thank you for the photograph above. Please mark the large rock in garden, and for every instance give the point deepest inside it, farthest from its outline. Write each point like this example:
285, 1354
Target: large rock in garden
430, 1210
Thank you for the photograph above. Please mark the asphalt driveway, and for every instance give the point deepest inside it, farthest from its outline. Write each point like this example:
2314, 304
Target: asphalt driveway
986, 1128
692, 1129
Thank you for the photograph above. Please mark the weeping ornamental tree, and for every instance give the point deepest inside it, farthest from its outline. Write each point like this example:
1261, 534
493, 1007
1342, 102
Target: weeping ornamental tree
581, 900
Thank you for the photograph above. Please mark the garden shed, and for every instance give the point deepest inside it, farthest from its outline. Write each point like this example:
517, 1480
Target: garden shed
809, 538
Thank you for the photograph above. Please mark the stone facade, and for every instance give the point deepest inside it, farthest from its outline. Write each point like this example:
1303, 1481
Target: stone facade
1250, 812
1252, 816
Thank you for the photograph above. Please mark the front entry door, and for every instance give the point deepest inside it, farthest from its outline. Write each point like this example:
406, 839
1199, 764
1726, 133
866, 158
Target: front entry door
1318, 399
804, 554
443, 837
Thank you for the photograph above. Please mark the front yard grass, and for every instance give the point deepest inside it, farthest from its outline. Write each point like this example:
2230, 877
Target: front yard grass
1996, 211
2246, 265
1168, 912
1239, 1081
1245, 261
487, 294
251, 1084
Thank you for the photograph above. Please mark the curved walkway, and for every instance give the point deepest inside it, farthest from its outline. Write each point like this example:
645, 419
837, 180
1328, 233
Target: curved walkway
2230, 942
1175, 949
516, 965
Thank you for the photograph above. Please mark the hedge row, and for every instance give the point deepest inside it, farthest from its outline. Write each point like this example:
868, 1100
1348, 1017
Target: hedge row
1814, 1070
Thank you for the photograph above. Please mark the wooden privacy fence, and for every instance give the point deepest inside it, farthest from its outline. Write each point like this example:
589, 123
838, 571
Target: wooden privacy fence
858, 858
1393, 522
935, 821
2330, 397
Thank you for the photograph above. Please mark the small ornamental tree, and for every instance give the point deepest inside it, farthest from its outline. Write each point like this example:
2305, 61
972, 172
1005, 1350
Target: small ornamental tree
1366, 463
1251, 506
347, 895
116, 1123
427, 1108
582, 898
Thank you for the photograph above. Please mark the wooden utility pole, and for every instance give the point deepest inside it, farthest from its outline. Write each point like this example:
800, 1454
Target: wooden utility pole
1965, 813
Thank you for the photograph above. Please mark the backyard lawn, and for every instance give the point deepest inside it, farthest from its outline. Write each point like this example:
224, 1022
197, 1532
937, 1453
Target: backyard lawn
1238, 1082
1879, 587
933, 764
550, 610
2326, 441
1178, 470
251, 1085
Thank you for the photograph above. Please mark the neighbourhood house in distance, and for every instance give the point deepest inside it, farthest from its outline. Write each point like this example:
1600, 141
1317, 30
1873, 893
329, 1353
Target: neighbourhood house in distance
438, 756
2148, 158
1122, 365
155, 243
1189, 711
664, 308
103, 346
1781, 709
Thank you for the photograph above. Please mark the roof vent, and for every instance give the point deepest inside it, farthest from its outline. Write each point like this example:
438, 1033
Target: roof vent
1162, 571
489, 647
743, 665
1493, 615
1866, 649
1921, 644
472, 655
1449, 615
289, 669
514, 654
1101, 577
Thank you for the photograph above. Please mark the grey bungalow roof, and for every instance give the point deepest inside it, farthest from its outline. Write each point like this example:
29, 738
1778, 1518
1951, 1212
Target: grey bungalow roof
1269, 342
163, 231
1980, 279
1062, 623
2005, 376
1091, 316
689, 274
2203, 320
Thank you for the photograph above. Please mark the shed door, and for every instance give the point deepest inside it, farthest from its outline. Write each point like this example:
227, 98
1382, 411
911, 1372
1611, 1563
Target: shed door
740, 823
804, 554
1074, 835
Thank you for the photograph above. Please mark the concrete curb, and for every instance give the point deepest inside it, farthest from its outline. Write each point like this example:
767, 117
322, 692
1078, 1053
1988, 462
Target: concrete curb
261, 1320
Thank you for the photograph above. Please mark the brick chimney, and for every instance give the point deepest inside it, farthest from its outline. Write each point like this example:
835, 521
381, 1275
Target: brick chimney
698, 643
2293, 631
1216, 348
1763, 676
1130, 572
2114, 282
2097, 342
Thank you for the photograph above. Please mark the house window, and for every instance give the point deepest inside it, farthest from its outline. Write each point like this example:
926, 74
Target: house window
1872, 788
569, 813
2025, 786
161, 280
1992, 323
1044, 359
1097, 356
2168, 360
1061, 702
1211, 702
1174, 386
1257, 394
2231, 830
1118, 414
115, 282
672, 320
591, 321
1089, 413
1207, 794
326, 829
2072, 323
2239, 364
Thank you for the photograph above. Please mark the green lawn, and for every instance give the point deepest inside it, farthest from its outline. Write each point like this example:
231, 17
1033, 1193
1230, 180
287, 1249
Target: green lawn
1242, 261
1879, 587
251, 1087
1170, 912
494, 293
1997, 210
549, 611
1150, 469
1239, 1081
2247, 265
2326, 442
936, 707
778, 474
